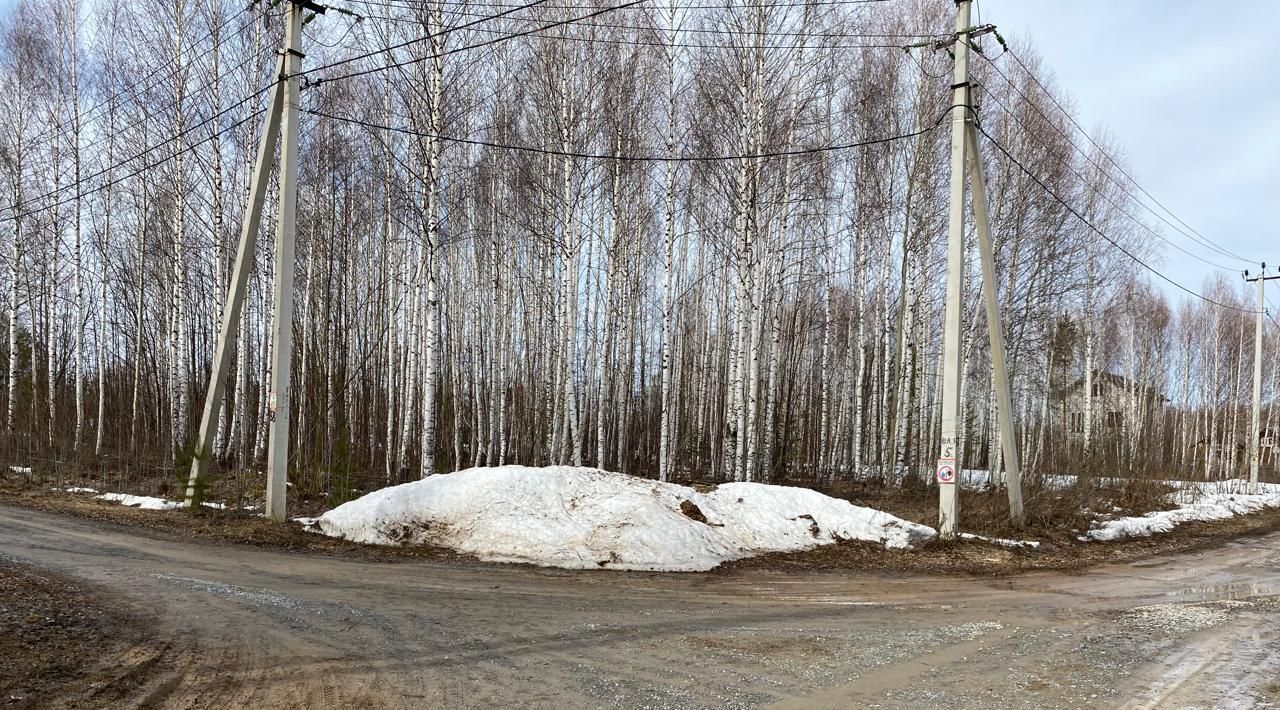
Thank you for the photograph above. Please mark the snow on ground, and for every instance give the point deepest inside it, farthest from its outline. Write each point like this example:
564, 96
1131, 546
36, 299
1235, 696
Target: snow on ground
144, 502
1195, 501
24, 470
1002, 542
584, 518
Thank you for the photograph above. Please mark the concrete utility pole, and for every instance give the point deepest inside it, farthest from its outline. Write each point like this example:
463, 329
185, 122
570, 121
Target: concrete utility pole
948, 473
964, 151
282, 320
282, 110
1255, 441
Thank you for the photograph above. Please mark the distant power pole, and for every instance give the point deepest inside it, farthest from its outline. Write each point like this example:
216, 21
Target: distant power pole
1255, 443
282, 109
964, 153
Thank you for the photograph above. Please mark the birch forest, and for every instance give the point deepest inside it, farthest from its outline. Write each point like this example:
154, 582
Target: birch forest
683, 241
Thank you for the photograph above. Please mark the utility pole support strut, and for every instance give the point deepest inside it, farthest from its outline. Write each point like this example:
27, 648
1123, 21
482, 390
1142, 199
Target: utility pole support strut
282, 111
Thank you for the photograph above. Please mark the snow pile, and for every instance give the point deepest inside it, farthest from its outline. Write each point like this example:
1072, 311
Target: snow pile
1196, 502
585, 518
144, 502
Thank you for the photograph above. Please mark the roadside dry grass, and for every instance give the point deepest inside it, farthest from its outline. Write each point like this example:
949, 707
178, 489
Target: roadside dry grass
1053, 514
1059, 549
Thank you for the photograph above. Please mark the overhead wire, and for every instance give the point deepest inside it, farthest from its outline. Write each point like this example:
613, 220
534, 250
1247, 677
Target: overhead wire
411, 42
136, 88
1027, 129
417, 5
1183, 229
725, 31
630, 158
1084, 220
1195, 238
146, 116
660, 43
16, 206
140, 154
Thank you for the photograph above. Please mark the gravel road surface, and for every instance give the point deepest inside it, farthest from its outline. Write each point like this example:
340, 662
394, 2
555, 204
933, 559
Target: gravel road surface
238, 626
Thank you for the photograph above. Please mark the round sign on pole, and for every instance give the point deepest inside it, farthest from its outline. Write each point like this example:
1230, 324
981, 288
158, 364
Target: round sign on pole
946, 470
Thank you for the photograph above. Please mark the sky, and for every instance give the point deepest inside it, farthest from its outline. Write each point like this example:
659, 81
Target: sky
1189, 91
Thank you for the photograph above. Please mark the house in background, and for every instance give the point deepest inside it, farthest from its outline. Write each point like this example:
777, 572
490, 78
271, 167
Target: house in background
1114, 400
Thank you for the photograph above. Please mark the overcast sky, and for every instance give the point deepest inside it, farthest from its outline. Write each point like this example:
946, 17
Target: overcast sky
1191, 92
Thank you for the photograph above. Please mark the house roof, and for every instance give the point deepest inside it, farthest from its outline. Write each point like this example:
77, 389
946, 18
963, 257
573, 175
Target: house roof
1113, 380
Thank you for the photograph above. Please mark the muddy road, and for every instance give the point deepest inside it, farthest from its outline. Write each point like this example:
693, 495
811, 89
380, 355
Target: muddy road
233, 625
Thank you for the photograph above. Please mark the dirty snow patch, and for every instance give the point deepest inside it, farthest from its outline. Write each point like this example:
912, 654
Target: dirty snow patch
1002, 542
75, 489
143, 502
583, 518
1196, 502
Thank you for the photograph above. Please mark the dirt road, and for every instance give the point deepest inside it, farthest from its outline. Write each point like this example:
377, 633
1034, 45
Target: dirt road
240, 626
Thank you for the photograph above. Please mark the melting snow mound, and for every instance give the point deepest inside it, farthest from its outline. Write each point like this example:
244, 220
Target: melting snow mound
584, 518
1197, 502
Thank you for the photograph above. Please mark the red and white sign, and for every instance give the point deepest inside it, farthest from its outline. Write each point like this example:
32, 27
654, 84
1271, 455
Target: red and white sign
946, 470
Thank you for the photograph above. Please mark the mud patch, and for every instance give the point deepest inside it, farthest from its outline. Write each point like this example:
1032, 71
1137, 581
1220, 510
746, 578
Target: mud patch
65, 643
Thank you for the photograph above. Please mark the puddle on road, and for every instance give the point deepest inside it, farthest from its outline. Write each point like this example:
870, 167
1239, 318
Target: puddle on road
1227, 591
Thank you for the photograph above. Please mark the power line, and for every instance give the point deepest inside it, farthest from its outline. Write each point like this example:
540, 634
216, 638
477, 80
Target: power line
1195, 238
414, 5
392, 48
171, 139
148, 166
15, 207
1271, 314
734, 32
1109, 200
147, 113
1098, 231
1208, 242
630, 158
135, 89
660, 43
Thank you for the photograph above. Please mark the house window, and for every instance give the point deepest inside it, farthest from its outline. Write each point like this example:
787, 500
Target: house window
1097, 389
1114, 420
1077, 422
